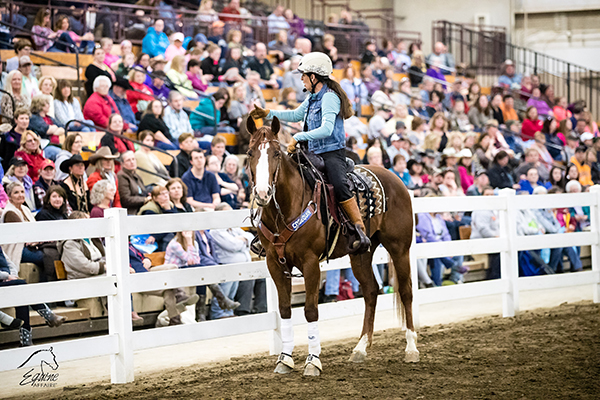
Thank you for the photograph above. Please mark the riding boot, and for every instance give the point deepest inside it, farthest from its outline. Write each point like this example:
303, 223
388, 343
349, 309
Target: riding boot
201, 309
363, 243
52, 319
25, 337
224, 302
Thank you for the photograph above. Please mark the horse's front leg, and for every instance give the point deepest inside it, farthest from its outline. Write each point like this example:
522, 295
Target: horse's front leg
312, 279
285, 362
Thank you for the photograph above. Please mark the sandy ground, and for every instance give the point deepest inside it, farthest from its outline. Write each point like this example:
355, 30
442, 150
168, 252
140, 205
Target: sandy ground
240, 367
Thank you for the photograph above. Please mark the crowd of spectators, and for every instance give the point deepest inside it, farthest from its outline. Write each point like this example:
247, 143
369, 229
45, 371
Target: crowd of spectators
433, 127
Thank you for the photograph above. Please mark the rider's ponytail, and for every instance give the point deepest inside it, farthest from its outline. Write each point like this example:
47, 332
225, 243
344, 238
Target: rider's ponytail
345, 106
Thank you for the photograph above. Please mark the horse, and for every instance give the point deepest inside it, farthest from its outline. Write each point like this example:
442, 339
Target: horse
283, 198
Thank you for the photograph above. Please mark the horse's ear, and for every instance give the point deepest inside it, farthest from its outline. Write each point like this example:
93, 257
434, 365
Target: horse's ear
275, 126
250, 125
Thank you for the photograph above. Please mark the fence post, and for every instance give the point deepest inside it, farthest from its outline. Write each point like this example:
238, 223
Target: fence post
414, 275
119, 305
275, 342
509, 259
595, 226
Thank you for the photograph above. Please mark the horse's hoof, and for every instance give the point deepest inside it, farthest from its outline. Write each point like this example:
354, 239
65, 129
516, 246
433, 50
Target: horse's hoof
311, 370
411, 357
282, 369
358, 356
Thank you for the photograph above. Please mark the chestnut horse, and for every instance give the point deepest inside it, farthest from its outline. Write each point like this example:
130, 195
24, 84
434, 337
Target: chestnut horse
280, 191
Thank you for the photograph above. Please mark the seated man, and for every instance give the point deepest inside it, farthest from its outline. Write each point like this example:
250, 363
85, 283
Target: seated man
176, 119
253, 91
441, 58
158, 85
260, 64
280, 47
155, 42
187, 143
203, 188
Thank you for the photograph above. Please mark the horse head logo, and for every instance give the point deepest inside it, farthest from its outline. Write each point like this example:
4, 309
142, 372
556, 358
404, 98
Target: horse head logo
41, 357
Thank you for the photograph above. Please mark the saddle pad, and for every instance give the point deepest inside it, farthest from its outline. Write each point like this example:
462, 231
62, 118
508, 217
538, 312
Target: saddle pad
375, 197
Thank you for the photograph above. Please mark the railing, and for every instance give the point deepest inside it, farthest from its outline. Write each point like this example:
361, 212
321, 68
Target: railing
484, 50
121, 341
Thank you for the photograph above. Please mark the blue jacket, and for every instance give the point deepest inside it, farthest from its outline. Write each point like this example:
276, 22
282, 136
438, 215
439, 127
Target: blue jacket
206, 258
155, 44
39, 125
206, 107
526, 186
124, 109
321, 114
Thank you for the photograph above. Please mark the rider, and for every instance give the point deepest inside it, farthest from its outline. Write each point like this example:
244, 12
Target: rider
323, 112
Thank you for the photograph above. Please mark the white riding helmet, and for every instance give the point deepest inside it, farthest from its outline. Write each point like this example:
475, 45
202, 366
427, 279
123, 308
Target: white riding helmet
317, 63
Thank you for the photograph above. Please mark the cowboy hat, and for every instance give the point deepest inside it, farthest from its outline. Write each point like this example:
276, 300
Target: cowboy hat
103, 153
75, 159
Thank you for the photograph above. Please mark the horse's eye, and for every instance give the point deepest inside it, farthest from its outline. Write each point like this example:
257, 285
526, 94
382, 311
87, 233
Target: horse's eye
249, 153
277, 154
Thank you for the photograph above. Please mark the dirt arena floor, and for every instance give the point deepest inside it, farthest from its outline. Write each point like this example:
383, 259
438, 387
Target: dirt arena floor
542, 354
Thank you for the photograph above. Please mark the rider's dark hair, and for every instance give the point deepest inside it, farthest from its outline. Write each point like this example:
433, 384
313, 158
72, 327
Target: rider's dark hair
345, 106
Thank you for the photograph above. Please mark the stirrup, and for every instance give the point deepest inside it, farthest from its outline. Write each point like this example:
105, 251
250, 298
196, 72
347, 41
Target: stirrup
364, 243
257, 248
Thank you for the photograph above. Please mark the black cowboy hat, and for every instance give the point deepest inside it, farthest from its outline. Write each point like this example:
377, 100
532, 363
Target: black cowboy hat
75, 159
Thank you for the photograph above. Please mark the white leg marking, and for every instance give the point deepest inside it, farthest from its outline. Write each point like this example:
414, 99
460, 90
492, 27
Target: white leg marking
361, 347
262, 170
314, 342
287, 336
412, 354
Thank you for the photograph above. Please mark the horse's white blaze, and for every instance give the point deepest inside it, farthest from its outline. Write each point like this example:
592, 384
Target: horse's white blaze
262, 171
411, 341
361, 347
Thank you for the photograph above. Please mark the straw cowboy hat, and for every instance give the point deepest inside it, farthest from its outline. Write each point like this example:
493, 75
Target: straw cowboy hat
103, 153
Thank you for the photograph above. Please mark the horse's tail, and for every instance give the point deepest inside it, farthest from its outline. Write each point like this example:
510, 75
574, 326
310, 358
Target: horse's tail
398, 304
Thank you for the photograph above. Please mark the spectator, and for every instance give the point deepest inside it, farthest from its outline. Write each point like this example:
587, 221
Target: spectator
206, 12
217, 148
176, 47
441, 59
280, 47
160, 203
176, 119
296, 24
228, 189
179, 79
29, 81
147, 161
497, 139
531, 124
464, 169
22, 48
532, 181
178, 195
276, 21
235, 66
78, 194
377, 124
231, 168
11, 140
499, 172
399, 57
44, 125
237, 108
302, 46
217, 36
72, 145
186, 145
140, 95
478, 187
110, 60
45, 181
96, 69
557, 178
532, 160
68, 108
540, 105
232, 8
158, 87
54, 208
580, 216
153, 121
132, 191
584, 170
126, 65
203, 188
485, 224
115, 143
508, 108
329, 47
545, 157
234, 41
418, 110
43, 35
480, 113
495, 108
355, 88
104, 169
370, 54
418, 178
426, 89
17, 172
560, 109
155, 42
548, 96
437, 138
31, 152
458, 119
399, 168
260, 64
294, 80
206, 122
102, 196
199, 80
119, 94
473, 94
210, 65
554, 144
100, 106
400, 115
47, 86
370, 81
417, 70
509, 76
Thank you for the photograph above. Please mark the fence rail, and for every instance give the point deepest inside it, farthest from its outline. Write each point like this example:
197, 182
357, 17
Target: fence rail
118, 284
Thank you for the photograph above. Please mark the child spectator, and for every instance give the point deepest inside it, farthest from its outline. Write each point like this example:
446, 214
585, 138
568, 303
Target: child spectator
176, 47
195, 75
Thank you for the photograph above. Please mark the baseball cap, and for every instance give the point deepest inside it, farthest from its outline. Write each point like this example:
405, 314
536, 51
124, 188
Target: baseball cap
24, 60
178, 36
47, 163
586, 136
400, 125
17, 161
395, 137
218, 24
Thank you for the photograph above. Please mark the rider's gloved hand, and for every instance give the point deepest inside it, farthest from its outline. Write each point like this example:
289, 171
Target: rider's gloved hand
259, 113
292, 146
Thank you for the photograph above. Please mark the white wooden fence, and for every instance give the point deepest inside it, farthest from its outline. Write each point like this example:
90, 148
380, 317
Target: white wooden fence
118, 284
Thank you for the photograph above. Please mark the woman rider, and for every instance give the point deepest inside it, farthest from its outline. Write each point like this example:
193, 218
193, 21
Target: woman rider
324, 112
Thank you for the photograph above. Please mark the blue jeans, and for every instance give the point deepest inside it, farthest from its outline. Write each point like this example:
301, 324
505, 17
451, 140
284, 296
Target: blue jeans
166, 146
556, 256
76, 127
229, 289
51, 152
35, 257
332, 283
437, 269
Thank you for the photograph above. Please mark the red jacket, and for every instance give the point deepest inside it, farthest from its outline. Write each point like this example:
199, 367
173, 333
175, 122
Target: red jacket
95, 177
530, 128
34, 163
99, 109
133, 97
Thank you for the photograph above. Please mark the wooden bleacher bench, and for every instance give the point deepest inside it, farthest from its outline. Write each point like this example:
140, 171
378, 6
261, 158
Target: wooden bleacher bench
398, 76
230, 139
366, 110
364, 120
157, 258
65, 58
61, 272
59, 72
211, 89
338, 74
486, 91
165, 159
191, 104
270, 94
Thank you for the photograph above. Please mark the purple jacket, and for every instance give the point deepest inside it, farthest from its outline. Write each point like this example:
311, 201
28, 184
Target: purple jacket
296, 27
425, 228
435, 74
542, 108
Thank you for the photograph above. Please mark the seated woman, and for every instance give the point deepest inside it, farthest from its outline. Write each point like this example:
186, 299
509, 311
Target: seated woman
116, 144
67, 108
126, 65
199, 80
147, 161
47, 85
141, 95
179, 79
107, 46
84, 43
78, 194
31, 152
210, 65
153, 121
132, 191
231, 167
43, 35
54, 208
204, 124
229, 189
178, 194
100, 106
72, 145
17, 172
11, 140
236, 64
96, 69
82, 258
237, 106
17, 211
44, 125
160, 204
104, 164
176, 47
15, 92
102, 196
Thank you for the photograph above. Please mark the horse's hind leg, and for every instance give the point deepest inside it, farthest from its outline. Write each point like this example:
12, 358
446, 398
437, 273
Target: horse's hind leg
361, 267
